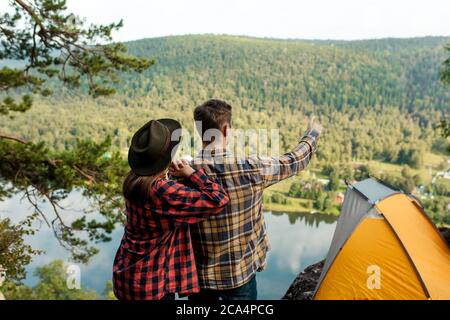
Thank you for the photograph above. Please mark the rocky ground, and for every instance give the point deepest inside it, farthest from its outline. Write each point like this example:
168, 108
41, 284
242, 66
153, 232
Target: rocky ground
445, 233
303, 286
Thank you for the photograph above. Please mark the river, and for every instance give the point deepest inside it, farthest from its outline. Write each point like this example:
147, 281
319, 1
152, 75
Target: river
297, 240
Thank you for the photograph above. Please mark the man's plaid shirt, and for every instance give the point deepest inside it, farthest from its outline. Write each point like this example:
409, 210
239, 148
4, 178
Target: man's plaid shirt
231, 247
155, 256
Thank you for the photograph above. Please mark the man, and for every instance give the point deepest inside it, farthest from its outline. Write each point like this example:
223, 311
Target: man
231, 247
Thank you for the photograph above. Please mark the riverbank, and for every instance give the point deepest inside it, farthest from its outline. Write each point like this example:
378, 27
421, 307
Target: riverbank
276, 207
286, 196
303, 286
277, 200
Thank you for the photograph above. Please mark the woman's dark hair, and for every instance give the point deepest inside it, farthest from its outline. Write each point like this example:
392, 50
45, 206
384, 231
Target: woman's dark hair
136, 188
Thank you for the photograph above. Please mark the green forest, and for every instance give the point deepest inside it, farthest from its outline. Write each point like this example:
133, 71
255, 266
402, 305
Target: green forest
378, 100
71, 97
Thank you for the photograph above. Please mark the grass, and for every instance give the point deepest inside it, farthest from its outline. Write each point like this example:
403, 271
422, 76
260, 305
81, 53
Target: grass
431, 167
283, 186
294, 205
433, 159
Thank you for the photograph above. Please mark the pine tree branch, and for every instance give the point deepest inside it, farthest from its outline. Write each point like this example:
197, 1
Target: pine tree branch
87, 176
45, 38
13, 138
52, 162
33, 202
33, 15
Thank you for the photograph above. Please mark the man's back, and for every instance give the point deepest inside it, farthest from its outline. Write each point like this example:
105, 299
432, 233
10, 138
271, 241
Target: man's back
231, 247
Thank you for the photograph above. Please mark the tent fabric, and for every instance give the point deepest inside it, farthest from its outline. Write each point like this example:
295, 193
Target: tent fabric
428, 251
373, 190
353, 209
381, 227
372, 244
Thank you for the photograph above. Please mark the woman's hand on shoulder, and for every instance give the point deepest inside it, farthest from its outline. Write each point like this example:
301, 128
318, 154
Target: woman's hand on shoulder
181, 168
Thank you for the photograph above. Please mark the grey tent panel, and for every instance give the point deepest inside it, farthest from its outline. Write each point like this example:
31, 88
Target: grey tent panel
373, 190
355, 207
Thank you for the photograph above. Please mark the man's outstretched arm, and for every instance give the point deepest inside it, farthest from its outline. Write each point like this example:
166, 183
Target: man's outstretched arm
276, 169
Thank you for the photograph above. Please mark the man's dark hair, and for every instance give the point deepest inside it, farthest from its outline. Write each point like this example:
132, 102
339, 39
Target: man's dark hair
213, 114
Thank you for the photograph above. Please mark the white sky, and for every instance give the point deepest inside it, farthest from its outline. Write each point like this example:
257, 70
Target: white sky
304, 19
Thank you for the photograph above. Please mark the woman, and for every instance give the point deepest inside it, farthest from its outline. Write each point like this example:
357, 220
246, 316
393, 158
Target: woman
155, 259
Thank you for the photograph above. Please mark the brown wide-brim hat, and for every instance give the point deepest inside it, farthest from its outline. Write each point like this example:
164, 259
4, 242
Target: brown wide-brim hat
153, 146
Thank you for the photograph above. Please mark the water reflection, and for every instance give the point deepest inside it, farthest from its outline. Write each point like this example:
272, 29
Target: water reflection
297, 240
312, 220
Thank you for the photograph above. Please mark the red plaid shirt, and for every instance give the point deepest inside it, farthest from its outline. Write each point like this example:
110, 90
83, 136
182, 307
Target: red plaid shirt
155, 256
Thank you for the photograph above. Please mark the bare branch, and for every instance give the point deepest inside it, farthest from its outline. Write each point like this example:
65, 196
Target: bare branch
33, 202
13, 138
87, 176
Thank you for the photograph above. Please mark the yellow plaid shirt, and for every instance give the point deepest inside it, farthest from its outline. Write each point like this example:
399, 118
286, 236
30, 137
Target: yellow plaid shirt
231, 247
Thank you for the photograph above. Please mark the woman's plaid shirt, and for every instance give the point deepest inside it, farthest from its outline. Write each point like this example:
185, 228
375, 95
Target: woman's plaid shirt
231, 247
155, 256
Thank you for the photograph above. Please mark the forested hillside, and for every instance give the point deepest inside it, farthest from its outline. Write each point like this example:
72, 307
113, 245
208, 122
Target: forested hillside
378, 99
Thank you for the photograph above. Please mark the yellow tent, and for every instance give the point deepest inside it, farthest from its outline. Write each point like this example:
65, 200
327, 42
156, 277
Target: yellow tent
384, 247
